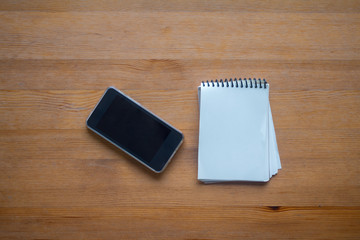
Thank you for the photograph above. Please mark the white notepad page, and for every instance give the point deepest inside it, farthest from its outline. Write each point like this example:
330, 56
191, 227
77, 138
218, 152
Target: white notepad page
237, 139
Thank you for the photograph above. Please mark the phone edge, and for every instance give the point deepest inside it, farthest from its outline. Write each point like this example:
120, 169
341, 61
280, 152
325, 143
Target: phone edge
101, 135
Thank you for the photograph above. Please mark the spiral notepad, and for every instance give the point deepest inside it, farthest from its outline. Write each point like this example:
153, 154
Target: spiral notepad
237, 140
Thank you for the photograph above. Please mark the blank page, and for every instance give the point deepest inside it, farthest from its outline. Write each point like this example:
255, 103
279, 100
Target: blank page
234, 134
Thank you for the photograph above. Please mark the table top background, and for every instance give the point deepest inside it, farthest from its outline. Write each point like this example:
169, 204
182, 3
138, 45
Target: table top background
60, 181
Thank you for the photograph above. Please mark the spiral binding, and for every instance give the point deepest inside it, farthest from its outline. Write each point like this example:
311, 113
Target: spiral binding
237, 83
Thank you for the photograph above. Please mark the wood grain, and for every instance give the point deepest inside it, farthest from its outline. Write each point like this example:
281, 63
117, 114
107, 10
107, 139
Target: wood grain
185, 223
60, 181
179, 35
339, 6
159, 74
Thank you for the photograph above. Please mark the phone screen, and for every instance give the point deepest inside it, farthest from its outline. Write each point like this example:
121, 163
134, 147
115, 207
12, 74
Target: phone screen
129, 126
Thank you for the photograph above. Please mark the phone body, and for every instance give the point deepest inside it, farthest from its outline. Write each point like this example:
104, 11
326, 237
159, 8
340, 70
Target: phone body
137, 131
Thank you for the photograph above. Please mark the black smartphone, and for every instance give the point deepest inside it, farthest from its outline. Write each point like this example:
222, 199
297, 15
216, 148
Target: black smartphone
134, 129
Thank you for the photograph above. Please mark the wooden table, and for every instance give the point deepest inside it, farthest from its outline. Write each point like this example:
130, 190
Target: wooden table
60, 181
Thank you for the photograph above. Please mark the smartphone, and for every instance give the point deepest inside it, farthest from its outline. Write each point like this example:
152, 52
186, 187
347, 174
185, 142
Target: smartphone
134, 129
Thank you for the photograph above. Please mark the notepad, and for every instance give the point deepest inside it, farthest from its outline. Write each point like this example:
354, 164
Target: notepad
237, 140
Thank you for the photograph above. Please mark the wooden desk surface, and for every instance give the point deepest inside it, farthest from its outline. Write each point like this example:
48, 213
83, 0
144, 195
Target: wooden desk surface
60, 181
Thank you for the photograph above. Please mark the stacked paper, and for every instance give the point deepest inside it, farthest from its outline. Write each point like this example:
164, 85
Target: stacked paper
237, 140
